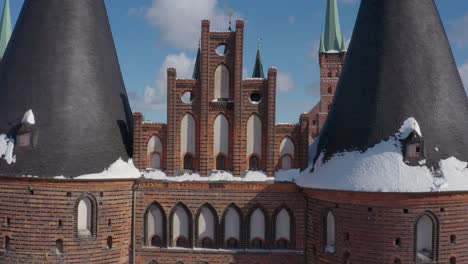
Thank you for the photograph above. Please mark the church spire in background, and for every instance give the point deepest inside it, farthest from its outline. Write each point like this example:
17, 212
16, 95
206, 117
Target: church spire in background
332, 39
197, 68
5, 28
258, 68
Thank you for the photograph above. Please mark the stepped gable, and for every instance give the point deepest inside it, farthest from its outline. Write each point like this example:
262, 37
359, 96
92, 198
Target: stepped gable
61, 62
399, 65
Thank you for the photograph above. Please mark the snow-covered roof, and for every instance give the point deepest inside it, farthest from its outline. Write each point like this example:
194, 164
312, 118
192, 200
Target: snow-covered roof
381, 169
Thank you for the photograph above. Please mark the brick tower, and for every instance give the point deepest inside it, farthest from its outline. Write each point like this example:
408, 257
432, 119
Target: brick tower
332, 55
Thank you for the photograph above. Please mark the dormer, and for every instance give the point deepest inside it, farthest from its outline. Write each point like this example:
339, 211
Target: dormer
413, 149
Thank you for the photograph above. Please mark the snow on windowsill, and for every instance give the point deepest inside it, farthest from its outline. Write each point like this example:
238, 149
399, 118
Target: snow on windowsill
381, 169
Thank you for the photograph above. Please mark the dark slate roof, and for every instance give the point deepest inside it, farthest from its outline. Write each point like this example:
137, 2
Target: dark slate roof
61, 63
399, 65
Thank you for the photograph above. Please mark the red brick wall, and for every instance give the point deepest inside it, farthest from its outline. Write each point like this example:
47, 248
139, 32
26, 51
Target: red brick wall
143, 133
34, 208
245, 196
374, 220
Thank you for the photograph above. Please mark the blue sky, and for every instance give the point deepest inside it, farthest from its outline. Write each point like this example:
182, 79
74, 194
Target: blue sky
151, 35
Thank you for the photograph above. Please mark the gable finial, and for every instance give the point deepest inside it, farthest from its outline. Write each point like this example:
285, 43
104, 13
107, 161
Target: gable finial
230, 13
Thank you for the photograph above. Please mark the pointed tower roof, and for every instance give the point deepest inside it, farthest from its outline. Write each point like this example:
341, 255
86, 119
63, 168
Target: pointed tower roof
5, 28
322, 44
63, 65
399, 65
197, 67
258, 68
332, 38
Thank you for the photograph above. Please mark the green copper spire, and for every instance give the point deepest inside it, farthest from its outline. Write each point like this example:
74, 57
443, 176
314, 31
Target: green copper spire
333, 38
5, 30
258, 68
322, 44
196, 69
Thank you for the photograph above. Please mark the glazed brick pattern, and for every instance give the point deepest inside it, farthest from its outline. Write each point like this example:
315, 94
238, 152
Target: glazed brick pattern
31, 210
204, 111
246, 196
374, 220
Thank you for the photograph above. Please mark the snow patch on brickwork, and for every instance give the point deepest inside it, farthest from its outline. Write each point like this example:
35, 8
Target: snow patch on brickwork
218, 176
28, 118
117, 170
381, 169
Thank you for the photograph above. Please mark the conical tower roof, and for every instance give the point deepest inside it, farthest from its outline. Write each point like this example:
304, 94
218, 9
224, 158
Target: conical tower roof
332, 39
62, 64
399, 65
5, 28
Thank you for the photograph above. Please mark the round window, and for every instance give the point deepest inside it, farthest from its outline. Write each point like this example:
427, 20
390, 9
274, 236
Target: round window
187, 98
255, 98
222, 50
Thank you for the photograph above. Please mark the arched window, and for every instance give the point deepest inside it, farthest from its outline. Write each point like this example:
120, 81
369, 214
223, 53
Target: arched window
188, 162
329, 89
206, 227
254, 136
330, 235
286, 153
221, 136
154, 151
329, 74
188, 135
282, 229
253, 163
86, 217
59, 246
221, 82
257, 228
155, 226
346, 258
232, 223
180, 227
220, 162
453, 260
425, 227
397, 261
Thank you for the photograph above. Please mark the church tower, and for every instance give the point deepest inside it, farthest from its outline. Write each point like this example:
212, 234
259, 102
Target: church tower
332, 53
5, 28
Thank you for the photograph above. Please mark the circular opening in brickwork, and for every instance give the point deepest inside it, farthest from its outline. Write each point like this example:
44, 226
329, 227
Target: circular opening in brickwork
255, 97
187, 98
222, 50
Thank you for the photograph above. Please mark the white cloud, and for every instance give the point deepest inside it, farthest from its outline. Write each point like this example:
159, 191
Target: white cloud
464, 75
155, 97
458, 32
284, 82
179, 21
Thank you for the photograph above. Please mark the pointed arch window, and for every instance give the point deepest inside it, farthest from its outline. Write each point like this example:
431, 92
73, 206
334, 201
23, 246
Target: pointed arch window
221, 82
188, 135
425, 238
286, 153
330, 229
257, 229
221, 136
282, 229
330, 90
154, 152
155, 224
86, 216
188, 162
206, 227
181, 226
232, 223
253, 163
254, 135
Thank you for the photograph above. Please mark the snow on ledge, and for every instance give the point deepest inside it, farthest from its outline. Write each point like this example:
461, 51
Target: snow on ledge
381, 169
6, 149
219, 176
117, 170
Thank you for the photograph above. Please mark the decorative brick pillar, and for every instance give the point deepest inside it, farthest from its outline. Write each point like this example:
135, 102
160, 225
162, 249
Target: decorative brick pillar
203, 122
304, 141
271, 123
172, 153
138, 153
239, 141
